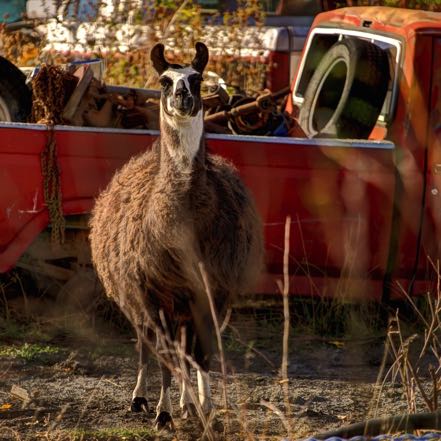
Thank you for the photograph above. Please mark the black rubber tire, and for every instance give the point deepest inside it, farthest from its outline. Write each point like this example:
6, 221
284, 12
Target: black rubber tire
346, 92
15, 96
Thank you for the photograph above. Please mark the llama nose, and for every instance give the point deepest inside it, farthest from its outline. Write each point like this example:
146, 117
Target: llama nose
182, 100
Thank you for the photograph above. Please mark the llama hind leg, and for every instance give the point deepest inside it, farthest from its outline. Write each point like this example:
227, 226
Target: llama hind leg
188, 409
139, 395
164, 407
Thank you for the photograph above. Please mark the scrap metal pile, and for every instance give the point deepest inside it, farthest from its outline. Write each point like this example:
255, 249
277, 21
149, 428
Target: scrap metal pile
74, 96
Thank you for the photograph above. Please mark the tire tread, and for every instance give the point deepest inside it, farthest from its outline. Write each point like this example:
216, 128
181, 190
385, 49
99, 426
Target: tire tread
14, 91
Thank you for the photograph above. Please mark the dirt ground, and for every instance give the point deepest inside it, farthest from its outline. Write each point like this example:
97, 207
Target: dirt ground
80, 387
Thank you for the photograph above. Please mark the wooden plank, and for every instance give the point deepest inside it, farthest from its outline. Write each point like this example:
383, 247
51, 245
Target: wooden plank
85, 76
21, 393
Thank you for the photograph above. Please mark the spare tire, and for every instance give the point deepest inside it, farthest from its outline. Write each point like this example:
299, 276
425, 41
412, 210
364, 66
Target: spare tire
346, 92
15, 96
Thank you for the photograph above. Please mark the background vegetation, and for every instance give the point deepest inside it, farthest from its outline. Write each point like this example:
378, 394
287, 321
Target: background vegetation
233, 32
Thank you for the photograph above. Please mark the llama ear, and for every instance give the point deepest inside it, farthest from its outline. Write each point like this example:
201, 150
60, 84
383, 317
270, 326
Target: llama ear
200, 60
157, 56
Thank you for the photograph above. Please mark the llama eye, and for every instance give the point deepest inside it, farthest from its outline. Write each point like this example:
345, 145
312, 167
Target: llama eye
195, 79
195, 83
165, 82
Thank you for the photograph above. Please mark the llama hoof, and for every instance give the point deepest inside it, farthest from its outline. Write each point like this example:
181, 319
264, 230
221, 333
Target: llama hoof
188, 411
164, 421
139, 404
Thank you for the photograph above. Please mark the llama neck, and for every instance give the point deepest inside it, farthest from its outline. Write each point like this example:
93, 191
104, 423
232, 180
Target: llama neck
182, 142
182, 168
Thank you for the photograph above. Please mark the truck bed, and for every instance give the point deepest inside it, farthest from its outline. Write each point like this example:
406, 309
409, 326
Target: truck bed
306, 179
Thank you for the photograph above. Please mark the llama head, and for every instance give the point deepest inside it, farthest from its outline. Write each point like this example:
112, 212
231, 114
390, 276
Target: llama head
181, 85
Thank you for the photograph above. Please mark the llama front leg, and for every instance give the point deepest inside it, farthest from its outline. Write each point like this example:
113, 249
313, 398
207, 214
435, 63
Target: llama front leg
164, 407
203, 326
203, 356
188, 408
139, 396
204, 391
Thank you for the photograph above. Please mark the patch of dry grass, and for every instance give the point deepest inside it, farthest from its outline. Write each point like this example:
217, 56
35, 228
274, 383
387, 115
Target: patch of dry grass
414, 350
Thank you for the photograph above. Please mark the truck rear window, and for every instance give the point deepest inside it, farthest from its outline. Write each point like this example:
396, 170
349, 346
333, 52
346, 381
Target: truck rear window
322, 39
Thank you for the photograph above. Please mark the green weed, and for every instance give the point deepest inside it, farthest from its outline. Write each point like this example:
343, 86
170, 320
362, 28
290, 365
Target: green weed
30, 351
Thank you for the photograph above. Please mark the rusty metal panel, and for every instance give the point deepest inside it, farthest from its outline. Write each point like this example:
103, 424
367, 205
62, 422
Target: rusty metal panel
431, 243
396, 20
409, 132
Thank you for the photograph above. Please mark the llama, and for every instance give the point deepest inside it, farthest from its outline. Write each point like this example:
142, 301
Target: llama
163, 213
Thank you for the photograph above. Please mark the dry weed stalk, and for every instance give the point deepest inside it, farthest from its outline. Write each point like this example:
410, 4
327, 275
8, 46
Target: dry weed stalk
314, 290
284, 289
380, 383
280, 414
5, 301
402, 366
420, 380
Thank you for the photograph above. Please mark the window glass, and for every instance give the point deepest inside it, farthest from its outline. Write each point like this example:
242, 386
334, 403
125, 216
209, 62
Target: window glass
83, 10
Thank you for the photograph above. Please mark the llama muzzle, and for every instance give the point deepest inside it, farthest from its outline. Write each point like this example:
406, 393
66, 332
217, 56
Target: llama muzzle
182, 100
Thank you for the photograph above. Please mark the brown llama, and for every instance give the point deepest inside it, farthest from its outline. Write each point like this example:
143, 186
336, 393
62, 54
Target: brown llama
163, 213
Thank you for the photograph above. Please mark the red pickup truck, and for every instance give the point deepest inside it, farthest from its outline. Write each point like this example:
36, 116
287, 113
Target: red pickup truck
366, 213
